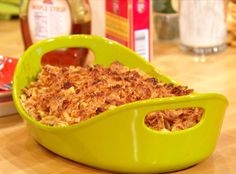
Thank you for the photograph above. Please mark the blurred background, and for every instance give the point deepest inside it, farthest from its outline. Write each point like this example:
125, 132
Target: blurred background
170, 22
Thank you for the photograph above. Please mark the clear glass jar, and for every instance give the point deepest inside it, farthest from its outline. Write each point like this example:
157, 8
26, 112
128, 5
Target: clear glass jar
202, 26
41, 19
166, 19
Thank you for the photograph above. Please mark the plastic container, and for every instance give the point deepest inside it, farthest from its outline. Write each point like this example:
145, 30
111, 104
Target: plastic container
43, 19
118, 139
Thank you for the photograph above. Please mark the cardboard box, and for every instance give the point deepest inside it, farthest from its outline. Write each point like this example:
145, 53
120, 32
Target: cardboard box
128, 22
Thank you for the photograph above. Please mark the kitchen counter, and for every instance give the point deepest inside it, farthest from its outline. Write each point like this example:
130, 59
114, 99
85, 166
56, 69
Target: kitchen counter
19, 153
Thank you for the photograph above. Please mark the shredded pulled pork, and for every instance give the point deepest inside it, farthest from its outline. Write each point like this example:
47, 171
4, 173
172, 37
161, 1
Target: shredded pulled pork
68, 95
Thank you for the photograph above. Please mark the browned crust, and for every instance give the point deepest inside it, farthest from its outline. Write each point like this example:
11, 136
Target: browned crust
68, 95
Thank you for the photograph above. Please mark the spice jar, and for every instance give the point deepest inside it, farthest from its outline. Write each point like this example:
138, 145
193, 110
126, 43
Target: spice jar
42, 19
202, 26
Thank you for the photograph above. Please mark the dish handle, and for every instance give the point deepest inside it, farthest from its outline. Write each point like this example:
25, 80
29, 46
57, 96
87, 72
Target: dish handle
106, 51
214, 106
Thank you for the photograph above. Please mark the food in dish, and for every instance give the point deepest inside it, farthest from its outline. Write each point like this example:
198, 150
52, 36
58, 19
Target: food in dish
62, 96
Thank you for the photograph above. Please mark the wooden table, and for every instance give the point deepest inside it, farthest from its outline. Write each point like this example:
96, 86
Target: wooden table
19, 153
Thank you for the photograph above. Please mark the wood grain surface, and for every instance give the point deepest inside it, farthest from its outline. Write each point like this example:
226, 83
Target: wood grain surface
19, 153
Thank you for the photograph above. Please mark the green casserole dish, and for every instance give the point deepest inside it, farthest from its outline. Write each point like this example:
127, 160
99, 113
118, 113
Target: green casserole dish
118, 139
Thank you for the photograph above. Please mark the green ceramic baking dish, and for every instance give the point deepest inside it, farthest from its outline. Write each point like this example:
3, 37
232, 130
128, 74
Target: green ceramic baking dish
118, 140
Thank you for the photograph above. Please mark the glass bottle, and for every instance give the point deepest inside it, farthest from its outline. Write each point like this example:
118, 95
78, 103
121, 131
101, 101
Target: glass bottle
231, 23
202, 26
41, 19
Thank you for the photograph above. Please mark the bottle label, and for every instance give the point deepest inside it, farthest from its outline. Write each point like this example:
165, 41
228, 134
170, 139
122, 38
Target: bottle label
48, 18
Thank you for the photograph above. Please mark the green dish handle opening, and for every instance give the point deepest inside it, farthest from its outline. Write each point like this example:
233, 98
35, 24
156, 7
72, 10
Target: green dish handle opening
213, 104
